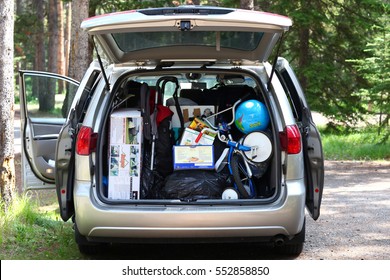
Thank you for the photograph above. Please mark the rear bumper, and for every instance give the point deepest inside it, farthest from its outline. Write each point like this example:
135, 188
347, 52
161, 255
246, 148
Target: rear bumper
132, 223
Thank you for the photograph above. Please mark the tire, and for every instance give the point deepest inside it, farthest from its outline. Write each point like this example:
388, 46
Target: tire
294, 247
86, 247
240, 176
290, 249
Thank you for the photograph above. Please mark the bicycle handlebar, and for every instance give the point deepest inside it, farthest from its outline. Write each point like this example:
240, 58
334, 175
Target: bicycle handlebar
227, 109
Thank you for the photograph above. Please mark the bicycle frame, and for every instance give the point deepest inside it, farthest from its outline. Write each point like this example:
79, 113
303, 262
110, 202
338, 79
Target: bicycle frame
223, 132
235, 147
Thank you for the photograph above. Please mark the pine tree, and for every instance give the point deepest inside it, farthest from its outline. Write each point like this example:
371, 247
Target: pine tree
375, 70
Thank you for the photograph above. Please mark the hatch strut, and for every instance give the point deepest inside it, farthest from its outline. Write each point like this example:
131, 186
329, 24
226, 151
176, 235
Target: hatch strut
101, 65
274, 63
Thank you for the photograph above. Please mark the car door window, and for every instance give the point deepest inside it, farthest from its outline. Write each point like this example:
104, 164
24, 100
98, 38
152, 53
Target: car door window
41, 99
45, 96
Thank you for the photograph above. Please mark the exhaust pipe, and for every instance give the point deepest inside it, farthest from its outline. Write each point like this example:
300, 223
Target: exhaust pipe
279, 241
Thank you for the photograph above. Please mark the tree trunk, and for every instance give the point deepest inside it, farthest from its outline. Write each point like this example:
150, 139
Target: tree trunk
39, 63
263, 5
47, 94
61, 39
304, 55
7, 165
39, 40
61, 44
67, 32
19, 7
247, 4
80, 55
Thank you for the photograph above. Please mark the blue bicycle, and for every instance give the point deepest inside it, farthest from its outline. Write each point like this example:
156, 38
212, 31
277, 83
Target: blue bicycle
246, 156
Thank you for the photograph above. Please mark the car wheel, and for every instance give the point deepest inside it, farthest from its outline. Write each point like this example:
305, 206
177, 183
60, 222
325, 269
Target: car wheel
86, 247
290, 249
294, 247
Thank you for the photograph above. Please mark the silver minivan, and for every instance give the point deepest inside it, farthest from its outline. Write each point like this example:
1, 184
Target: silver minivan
155, 145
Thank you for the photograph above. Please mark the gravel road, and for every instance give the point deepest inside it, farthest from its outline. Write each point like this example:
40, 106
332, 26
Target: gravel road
355, 213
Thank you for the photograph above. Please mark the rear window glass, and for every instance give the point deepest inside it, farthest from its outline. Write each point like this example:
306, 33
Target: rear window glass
245, 41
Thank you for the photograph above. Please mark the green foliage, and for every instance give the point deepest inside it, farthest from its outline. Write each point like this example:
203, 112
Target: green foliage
324, 35
340, 143
28, 233
374, 69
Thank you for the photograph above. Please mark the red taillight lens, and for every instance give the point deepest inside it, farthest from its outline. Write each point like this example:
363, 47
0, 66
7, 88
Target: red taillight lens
290, 139
86, 141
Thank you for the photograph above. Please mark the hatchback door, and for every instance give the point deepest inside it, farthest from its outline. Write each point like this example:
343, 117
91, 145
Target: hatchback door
312, 146
41, 98
200, 33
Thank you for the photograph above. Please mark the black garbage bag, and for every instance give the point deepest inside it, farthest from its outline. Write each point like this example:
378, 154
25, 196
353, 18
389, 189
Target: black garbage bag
163, 162
151, 180
194, 184
151, 183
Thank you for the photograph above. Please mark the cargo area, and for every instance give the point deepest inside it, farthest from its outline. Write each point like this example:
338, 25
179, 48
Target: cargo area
165, 140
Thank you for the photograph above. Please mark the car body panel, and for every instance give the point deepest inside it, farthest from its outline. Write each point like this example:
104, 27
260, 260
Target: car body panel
94, 219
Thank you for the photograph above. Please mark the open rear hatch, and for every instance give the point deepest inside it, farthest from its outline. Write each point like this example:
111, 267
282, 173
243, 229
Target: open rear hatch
189, 33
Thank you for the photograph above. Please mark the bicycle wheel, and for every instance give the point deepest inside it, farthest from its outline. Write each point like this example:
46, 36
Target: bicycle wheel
245, 185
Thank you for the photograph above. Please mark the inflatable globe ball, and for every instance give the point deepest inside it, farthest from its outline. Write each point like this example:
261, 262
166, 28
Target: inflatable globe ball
251, 115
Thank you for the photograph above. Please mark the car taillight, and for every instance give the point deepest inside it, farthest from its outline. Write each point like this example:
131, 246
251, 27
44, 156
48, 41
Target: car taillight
290, 139
86, 141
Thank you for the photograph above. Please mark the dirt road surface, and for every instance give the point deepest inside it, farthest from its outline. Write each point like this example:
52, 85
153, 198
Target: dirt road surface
355, 213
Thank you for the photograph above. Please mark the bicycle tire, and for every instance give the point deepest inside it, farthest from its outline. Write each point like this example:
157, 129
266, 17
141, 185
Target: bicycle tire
240, 176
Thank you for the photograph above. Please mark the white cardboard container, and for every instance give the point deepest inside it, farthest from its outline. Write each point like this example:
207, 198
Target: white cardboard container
125, 154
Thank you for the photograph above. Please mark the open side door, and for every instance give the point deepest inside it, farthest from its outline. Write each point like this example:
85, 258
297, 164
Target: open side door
311, 141
41, 98
48, 136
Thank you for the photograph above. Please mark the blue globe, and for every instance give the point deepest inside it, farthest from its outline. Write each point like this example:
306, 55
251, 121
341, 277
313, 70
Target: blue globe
251, 115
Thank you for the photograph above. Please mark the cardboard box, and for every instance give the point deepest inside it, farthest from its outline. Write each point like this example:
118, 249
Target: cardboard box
125, 154
193, 157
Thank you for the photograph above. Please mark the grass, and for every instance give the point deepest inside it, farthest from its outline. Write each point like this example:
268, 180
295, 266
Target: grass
358, 144
34, 232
